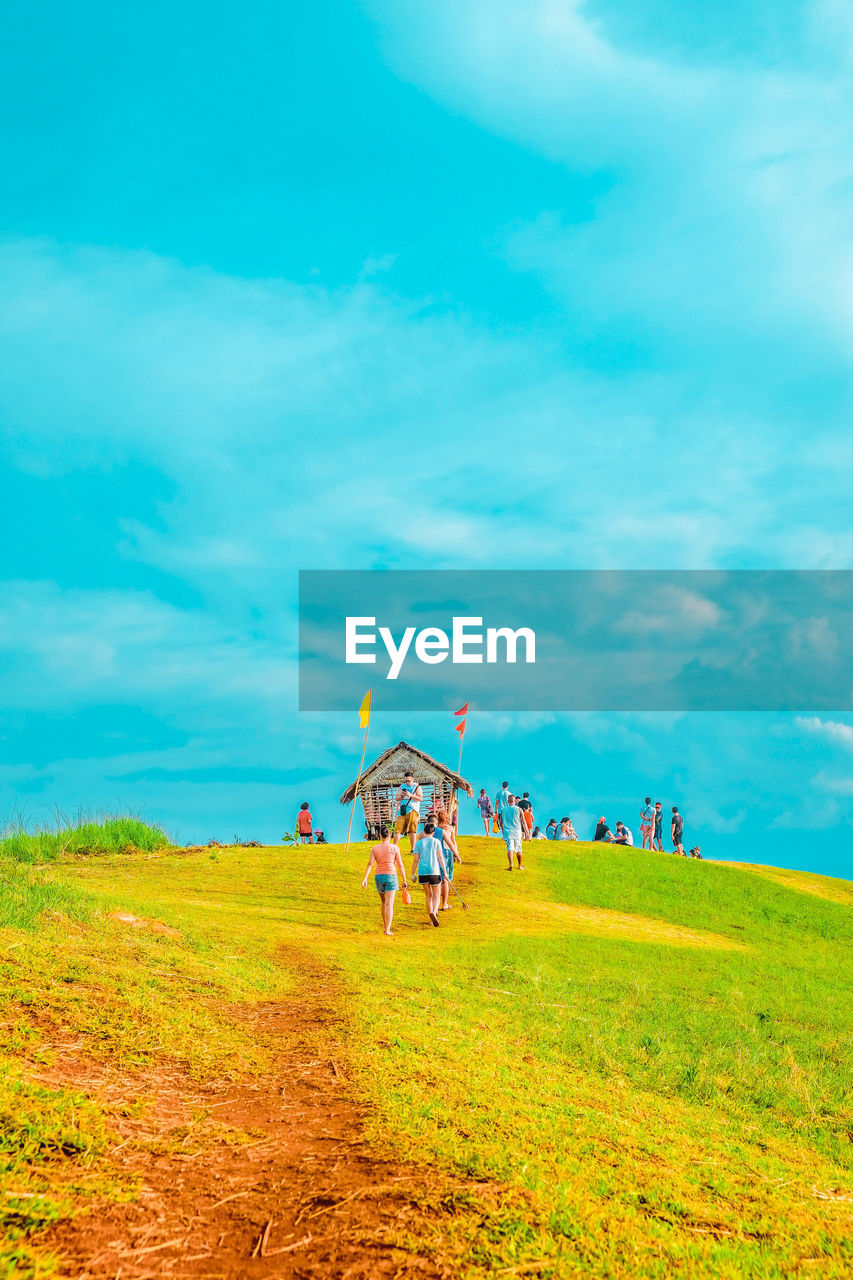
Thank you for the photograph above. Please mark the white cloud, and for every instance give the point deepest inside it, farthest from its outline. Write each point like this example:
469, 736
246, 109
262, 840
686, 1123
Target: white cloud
344, 428
671, 609
63, 647
833, 785
835, 730
729, 206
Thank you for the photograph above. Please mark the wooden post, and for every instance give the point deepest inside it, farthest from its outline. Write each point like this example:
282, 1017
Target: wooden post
366, 718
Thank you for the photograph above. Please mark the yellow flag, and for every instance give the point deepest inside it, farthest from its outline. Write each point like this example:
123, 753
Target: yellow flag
364, 711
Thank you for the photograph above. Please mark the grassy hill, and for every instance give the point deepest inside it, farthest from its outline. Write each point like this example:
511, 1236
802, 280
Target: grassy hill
649, 1057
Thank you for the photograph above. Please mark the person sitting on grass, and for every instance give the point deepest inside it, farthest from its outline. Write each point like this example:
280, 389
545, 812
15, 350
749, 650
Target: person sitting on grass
623, 835
696, 852
385, 856
567, 831
304, 824
514, 831
429, 866
538, 834
445, 833
551, 830
602, 831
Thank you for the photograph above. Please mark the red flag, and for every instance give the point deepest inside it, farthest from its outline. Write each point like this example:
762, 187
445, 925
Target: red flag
463, 711
460, 728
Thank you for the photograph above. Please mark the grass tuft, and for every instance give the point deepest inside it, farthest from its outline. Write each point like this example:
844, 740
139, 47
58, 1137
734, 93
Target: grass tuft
108, 834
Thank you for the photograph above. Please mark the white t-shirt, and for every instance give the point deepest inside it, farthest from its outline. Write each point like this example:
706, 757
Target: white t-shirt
408, 804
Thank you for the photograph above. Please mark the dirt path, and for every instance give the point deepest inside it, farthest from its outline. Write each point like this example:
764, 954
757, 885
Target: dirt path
302, 1196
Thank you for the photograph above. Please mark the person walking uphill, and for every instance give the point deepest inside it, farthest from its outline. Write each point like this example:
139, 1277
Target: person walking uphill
429, 866
409, 798
484, 804
386, 857
514, 831
445, 833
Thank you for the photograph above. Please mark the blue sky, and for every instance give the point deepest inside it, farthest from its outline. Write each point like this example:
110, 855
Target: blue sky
410, 284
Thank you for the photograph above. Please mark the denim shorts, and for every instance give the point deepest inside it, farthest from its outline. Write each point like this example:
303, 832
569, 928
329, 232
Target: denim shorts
385, 883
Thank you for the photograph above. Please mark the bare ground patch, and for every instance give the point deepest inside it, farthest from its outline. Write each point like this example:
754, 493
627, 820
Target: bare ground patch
268, 1177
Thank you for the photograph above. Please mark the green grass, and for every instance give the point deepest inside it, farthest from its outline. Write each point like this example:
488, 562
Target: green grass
654, 1052
120, 833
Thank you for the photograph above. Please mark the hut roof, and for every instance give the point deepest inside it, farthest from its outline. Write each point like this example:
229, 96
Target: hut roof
390, 768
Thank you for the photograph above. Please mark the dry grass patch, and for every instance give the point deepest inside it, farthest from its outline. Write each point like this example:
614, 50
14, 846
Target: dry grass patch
602, 923
802, 881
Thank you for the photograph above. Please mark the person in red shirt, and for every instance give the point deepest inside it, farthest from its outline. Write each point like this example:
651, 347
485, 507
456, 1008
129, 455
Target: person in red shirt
304, 827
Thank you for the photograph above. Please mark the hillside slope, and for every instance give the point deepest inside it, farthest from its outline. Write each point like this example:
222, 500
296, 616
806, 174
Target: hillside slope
617, 1063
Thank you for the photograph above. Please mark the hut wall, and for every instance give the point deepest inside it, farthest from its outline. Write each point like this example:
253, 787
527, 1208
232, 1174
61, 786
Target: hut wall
381, 781
380, 807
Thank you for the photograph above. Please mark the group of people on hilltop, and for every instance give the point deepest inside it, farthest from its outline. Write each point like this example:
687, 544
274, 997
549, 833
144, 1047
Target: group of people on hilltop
435, 852
651, 830
651, 824
512, 818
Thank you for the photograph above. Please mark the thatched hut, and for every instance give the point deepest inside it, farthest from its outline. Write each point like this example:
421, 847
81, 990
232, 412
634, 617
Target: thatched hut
379, 783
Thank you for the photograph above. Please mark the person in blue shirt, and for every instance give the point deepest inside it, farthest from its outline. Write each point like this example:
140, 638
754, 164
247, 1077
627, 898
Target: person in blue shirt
551, 830
514, 831
429, 866
501, 801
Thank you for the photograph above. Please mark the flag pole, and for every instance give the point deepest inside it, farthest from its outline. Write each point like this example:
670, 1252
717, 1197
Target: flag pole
460, 729
455, 800
365, 717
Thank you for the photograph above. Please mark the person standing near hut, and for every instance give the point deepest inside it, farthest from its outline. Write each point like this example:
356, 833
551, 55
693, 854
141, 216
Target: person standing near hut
387, 859
445, 833
408, 799
429, 866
